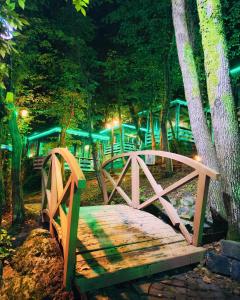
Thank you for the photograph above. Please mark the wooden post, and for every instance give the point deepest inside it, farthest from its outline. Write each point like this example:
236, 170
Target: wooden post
135, 182
104, 188
71, 237
200, 208
53, 202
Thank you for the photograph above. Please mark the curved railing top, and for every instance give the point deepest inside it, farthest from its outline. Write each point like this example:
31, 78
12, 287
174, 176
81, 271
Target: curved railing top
70, 160
61, 202
183, 159
199, 172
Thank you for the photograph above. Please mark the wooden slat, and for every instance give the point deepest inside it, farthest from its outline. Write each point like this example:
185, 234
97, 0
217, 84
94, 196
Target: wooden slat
54, 191
71, 234
183, 159
170, 210
135, 182
170, 188
200, 208
118, 188
59, 180
123, 274
64, 196
104, 250
156, 187
63, 224
122, 248
175, 219
120, 179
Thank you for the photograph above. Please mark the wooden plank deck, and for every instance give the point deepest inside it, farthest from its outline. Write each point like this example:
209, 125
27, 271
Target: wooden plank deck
117, 243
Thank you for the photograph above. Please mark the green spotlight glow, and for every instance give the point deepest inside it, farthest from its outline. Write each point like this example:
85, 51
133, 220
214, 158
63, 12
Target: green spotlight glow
6, 147
123, 125
77, 132
235, 70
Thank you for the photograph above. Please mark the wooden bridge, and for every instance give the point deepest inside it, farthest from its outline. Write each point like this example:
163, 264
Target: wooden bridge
108, 244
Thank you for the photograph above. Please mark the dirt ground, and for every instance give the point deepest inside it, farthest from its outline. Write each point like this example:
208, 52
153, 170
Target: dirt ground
35, 270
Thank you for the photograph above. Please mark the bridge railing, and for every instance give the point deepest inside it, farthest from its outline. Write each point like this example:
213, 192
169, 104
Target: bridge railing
61, 203
136, 161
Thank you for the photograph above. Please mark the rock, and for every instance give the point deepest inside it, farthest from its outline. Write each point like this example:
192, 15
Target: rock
236, 291
230, 249
206, 279
235, 273
218, 263
189, 201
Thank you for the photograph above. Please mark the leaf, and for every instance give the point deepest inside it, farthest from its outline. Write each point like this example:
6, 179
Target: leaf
11, 6
83, 11
21, 3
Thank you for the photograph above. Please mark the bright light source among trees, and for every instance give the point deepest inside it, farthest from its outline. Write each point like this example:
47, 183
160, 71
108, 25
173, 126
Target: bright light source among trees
113, 123
24, 113
197, 158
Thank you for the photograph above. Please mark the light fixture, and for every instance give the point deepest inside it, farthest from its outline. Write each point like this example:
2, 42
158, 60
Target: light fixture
197, 158
24, 113
108, 125
115, 122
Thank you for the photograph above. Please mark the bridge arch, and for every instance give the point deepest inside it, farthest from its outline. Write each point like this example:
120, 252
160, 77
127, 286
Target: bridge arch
136, 161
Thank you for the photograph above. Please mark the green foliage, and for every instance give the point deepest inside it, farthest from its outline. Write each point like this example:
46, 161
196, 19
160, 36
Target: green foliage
53, 66
81, 5
5, 244
7, 46
140, 48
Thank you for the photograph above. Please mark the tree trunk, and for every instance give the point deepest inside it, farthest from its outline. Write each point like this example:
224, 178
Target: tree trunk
152, 131
164, 144
224, 118
62, 141
201, 134
120, 129
135, 118
17, 197
174, 140
93, 146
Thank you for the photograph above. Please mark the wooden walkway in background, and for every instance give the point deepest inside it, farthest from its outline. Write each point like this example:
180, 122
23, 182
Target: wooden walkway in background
119, 243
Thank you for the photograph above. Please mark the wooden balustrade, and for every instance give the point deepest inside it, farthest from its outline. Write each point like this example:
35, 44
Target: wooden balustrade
201, 172
61, 203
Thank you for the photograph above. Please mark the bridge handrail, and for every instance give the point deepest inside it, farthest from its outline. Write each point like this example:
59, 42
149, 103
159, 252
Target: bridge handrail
201, 172
61, 203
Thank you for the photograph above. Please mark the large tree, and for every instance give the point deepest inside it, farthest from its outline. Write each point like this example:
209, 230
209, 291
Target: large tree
223, 111
201, 134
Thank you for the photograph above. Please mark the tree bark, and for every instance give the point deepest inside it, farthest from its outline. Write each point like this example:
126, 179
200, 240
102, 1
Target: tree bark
152, 131
164, 144
120, 129
17, 197
135, 118
223, 112
93, 145
174, 140
201, 134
